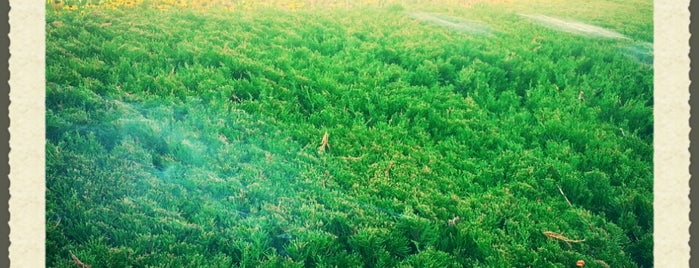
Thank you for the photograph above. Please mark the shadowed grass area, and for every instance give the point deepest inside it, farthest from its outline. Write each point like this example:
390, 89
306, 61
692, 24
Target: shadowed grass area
348, 137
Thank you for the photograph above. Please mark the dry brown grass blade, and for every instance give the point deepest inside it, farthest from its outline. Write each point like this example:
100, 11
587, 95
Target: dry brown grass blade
564, 196
387, 172
323, 144
558, 236
77, 261
352, 158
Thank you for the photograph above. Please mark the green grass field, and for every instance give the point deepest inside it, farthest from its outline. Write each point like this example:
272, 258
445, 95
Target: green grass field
349, 137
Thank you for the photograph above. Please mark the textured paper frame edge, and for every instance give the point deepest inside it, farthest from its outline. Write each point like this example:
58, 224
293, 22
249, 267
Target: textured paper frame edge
671, 134
27, 138
27, 126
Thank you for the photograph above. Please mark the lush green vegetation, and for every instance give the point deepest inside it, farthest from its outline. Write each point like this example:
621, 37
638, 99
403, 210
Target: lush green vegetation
345, 137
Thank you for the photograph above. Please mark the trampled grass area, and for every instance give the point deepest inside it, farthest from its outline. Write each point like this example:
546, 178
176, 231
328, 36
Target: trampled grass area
348, 137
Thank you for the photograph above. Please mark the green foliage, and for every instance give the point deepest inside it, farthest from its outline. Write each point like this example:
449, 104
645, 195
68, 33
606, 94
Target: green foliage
200, 141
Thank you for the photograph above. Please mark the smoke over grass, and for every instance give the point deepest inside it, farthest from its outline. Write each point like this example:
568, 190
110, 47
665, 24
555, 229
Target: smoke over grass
640, 51
452, 23
574, 27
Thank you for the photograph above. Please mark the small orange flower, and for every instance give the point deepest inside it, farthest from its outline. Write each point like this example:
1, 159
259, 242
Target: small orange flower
580, 263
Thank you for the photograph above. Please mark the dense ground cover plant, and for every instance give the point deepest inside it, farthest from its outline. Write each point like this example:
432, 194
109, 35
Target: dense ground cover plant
343, 137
